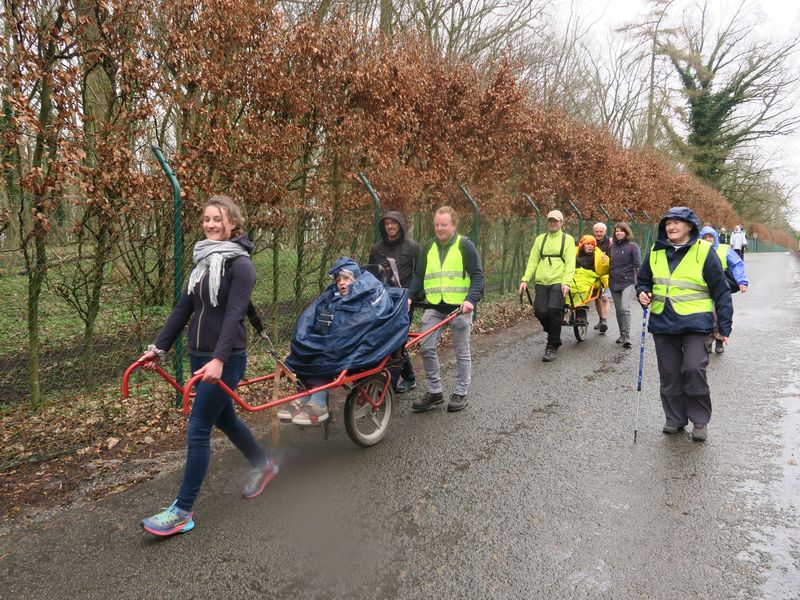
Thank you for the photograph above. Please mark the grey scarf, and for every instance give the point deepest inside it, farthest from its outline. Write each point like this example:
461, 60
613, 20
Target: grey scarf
209, 256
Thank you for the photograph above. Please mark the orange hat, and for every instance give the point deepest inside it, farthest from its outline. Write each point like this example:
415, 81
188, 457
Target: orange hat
588, 239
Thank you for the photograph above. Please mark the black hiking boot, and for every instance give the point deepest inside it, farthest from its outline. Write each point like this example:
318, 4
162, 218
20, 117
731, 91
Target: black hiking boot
427, 402
457, 402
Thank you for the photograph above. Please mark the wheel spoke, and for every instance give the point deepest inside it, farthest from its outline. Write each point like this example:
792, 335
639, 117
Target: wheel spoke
362, 411
376, 420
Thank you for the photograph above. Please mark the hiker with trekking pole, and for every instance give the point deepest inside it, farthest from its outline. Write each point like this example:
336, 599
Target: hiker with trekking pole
682, 283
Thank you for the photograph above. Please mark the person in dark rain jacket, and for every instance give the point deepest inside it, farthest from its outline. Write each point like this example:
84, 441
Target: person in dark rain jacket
683, 283
397, 255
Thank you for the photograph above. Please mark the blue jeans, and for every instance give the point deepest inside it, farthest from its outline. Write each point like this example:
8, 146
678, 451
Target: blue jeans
212, 406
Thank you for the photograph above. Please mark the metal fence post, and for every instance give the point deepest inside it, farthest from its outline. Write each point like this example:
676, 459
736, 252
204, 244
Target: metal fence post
177, 257
376, 202
609, 220
476, 225
476, 220
630, 216
536, 208
580, 218
647, 238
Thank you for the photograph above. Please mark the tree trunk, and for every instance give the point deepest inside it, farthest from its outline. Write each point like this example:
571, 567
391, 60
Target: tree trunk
276, 282
37, 265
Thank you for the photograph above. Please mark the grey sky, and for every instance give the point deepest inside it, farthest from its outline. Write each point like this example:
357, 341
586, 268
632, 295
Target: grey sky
778, 19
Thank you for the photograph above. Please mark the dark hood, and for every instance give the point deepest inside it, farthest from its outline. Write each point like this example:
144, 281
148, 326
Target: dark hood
397, 216
681, 213
244, 241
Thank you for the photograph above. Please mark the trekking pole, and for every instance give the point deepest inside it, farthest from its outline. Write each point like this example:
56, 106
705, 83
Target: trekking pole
641, 365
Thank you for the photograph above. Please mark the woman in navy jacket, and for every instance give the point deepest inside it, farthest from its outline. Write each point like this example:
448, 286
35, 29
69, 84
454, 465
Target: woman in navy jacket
215, 306
679, 334
626, 260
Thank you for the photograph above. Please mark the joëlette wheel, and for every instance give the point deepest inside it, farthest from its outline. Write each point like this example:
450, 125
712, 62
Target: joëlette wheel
365, 424
580, 332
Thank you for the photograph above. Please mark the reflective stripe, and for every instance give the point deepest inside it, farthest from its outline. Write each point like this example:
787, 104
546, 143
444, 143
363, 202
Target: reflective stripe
681, 283
690, 297
440, 274
441, 290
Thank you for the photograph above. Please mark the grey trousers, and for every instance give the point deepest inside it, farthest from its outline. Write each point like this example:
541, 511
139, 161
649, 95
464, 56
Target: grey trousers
460, 327
622, 308
682, 362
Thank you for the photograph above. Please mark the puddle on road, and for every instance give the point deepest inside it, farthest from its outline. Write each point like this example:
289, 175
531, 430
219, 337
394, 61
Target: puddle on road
776, 543
779, 545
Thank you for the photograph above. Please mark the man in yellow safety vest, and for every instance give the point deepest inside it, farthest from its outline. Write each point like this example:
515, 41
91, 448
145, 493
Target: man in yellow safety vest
448, 276
551, 267
683, 283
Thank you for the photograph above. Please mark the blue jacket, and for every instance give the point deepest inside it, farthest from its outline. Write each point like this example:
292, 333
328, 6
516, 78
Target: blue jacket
216, 331
625, 261
367, 324
735, 262
669, 322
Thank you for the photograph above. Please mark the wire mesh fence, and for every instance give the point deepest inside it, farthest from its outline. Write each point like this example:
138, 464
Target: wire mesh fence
81, 354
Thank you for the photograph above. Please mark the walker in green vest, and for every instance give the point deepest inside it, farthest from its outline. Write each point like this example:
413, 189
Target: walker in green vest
446, 281
685, 287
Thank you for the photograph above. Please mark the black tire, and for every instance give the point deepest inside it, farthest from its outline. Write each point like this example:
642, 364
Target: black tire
366, 425
580, 332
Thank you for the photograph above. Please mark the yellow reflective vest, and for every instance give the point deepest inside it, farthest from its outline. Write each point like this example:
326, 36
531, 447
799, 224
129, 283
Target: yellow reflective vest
446, 281
722, 252
684, 288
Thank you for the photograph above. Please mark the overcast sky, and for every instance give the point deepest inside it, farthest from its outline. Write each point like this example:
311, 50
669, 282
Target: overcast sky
778, 19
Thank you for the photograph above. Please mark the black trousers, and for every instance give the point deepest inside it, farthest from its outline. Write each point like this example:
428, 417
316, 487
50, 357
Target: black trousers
682, 362
548, 306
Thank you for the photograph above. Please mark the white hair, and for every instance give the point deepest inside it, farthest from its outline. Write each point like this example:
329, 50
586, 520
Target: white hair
601, 224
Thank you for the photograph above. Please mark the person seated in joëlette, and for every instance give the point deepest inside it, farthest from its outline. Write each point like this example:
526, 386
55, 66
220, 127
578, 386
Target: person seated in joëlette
354, 324
591, 270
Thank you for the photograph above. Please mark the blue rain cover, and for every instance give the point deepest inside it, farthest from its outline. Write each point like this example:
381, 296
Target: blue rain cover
368, 324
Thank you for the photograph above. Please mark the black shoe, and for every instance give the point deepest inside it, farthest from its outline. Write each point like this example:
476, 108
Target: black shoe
602, 326
457, 402
427, 402
626, 342
549, 354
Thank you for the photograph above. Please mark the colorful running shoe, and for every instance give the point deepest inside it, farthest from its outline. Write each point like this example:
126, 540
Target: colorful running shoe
287, 411
259, 478
169, 521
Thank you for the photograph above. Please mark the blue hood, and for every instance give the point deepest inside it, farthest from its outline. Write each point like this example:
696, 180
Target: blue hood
345, 263
710, 231
681, 213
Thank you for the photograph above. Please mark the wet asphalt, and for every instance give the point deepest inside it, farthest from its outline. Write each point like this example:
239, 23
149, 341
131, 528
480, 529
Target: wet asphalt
535, 490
